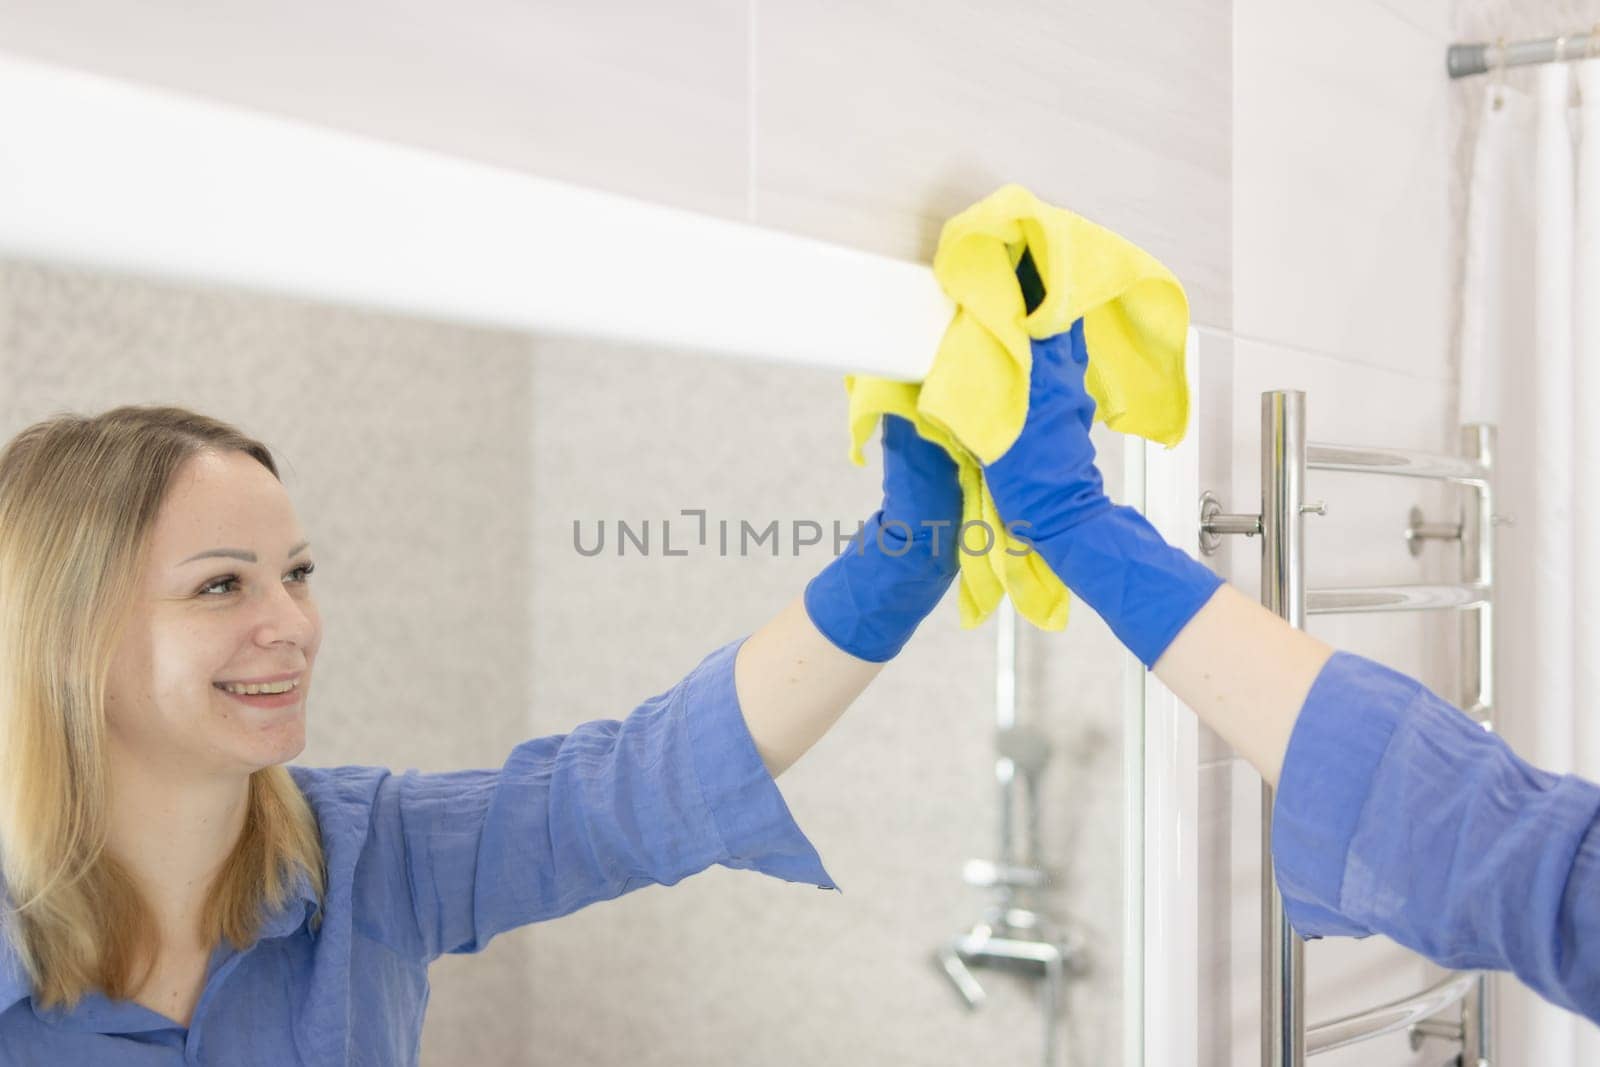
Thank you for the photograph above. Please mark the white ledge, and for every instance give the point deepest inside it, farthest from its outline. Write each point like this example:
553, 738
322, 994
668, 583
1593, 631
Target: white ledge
129, 178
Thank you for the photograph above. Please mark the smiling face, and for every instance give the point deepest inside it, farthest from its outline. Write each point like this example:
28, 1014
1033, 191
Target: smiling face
193, 627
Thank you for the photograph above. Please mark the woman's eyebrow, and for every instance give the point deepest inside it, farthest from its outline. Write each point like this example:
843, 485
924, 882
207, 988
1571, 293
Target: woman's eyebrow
239, 553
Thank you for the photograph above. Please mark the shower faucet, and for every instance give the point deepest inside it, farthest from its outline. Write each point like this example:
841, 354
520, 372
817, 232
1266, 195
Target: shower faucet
1014, 934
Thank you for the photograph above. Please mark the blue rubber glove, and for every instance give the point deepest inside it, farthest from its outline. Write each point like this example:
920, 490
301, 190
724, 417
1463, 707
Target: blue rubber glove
1109, 555
869, 600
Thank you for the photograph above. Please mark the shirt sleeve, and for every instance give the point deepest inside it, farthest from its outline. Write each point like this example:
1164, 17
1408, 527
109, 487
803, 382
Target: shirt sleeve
1397, 814
592, 814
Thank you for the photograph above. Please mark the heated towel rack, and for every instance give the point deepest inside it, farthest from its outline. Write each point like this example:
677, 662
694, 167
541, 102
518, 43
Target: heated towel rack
1286, 1040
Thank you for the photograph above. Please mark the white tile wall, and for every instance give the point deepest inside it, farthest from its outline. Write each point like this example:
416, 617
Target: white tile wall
1340, 144
1341, 283
628, 96
1430, 16
875, 122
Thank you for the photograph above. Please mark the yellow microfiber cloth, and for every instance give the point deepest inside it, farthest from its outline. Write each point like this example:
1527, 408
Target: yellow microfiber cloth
975, 397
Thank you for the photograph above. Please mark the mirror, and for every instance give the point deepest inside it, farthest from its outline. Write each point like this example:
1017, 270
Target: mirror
454, 479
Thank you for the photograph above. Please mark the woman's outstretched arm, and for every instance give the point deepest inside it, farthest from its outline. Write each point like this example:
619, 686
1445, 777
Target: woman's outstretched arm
1393, 813
1246, 673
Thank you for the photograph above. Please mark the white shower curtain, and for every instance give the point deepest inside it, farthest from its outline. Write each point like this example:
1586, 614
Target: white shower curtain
1530, 362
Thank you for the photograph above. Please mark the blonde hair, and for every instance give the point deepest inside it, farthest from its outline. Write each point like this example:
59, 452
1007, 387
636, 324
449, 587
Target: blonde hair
78, 500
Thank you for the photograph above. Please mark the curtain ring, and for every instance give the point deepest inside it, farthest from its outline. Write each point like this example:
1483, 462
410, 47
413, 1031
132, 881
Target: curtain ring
1561, 48
1592, 49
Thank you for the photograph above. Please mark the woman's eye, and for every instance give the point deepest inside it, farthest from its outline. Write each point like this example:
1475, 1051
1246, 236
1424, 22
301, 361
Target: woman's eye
307, 568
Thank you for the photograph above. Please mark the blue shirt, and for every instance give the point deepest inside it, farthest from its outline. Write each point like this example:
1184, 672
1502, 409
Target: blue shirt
424, 864
1396, 814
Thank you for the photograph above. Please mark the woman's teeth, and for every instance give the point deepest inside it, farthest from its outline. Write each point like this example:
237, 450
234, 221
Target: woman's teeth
268, 687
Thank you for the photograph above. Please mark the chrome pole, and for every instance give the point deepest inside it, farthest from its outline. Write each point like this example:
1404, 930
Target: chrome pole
1463, 60
1477, 664
1283, 473
1005, 702
1477, 565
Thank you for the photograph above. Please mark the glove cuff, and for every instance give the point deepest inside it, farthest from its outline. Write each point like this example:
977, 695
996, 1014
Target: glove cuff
1145, 589
870, 599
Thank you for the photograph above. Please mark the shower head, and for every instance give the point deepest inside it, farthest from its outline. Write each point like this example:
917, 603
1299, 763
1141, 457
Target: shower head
1024, 746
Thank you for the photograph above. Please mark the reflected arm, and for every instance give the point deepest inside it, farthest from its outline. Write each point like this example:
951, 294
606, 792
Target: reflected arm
797, 674
794, 684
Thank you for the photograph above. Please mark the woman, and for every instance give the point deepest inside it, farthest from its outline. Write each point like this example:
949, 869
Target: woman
292, 915
175, 894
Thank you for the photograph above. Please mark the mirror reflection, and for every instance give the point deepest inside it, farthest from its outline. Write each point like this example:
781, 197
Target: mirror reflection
605, 688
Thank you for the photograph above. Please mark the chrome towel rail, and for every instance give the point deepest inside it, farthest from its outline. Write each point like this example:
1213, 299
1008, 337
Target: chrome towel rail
1286, 1040
1387, 1018
1396, 598
1395, 461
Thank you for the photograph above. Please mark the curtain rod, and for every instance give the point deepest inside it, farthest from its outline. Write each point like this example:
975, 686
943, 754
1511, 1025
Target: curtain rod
1466, 59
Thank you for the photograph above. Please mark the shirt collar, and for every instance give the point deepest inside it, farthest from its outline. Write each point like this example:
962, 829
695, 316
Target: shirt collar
14, 983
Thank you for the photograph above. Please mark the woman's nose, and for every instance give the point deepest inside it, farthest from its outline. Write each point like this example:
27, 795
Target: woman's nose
288, 615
